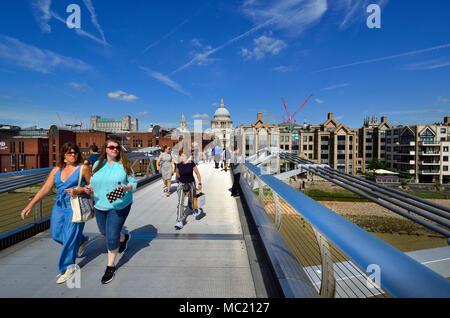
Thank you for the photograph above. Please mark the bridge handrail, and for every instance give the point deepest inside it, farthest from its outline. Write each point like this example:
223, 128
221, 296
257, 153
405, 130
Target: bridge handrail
401, 276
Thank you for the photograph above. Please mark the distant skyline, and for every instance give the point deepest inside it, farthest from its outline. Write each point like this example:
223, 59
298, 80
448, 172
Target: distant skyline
156, 60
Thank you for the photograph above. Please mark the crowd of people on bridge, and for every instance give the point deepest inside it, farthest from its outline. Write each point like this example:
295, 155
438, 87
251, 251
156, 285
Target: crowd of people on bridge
110, 171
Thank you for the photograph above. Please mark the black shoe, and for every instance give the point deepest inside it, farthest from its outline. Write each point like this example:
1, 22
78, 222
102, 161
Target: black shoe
123, 245
109, 274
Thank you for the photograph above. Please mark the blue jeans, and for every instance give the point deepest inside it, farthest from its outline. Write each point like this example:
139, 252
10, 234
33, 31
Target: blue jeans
110, 224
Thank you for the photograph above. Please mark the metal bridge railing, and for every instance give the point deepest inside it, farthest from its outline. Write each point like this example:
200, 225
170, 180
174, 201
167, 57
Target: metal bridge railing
339, 258
18, 189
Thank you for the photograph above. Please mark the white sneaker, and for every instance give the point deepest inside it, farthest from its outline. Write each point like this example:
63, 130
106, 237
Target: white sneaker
179, 225
67, 274
195, 213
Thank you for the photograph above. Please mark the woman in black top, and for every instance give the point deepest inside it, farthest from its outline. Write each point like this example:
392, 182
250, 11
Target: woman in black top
186, 186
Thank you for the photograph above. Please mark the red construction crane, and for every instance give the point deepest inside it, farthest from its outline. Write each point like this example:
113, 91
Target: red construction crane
291, 118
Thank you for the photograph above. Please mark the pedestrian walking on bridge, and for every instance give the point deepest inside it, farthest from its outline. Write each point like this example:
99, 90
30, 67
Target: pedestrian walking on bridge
113, 172
65, 232
186, 187
164, 165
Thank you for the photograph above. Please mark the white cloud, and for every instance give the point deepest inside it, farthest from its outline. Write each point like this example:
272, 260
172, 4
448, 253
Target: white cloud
121, 95
428, 65
439, 47
215, 104
43, 14
293, 16
443, 100
336, 86
77, 85
264, 45
142, 113
36, 59
90, 6
203, 116
355, 10
284, 69
319, 101
166, 80
196, 42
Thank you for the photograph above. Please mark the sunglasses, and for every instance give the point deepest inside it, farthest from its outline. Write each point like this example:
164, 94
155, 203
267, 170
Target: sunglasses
114, 147
72, 153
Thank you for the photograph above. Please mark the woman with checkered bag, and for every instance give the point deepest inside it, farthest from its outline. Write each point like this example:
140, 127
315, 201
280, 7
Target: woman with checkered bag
113, 183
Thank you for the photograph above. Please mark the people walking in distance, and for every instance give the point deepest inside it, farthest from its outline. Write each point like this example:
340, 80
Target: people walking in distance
94, 155
164, 165
236, 162
186, 187
65, 177
226, 157
217, 156
111, 172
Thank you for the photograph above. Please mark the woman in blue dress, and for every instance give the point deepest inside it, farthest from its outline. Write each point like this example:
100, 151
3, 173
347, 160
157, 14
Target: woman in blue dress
70, 235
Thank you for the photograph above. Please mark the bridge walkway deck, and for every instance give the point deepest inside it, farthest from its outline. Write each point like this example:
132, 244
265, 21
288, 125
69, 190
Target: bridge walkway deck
207, 258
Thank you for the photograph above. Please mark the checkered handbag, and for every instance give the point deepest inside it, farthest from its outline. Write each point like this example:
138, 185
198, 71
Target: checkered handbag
114, 195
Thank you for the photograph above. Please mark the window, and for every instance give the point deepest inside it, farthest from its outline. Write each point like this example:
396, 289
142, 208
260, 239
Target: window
368, 140
323, 138
12, 147
286, 147
442, 138
341, 157
388, 133
388, 148
341, 138
310, 156
395, 131
445, 168
445, 149
281, 139
389, 141
13, 160
395, 140
445, 158
443, 131
368, 147
286, 138
305, 147
310, 147
305, 138
427, 137
310, 138
324, 156
324, 147
341, 147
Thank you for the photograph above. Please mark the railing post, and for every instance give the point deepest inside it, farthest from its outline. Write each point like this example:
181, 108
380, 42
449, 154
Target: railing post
38, 211
261, 191
328, 285
153, 168
278, 215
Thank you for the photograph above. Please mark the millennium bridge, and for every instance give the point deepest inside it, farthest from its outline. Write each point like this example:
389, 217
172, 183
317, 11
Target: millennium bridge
272, 241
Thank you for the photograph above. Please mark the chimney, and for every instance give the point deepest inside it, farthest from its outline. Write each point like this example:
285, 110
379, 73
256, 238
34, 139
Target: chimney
383, 119
330, 116
259, 116
447, 120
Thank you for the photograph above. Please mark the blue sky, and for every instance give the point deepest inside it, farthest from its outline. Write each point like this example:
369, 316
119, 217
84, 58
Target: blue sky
155, 60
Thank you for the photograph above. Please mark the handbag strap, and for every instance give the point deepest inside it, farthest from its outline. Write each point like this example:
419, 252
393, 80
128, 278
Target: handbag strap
81, 174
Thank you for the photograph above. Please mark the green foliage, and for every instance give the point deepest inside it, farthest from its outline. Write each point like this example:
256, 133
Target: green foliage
376, 164
438, 185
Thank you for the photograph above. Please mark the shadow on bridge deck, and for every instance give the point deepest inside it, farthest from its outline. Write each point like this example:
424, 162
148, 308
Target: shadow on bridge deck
207, 258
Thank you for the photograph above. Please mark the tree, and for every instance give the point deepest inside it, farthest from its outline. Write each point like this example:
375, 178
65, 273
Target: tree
376, 164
